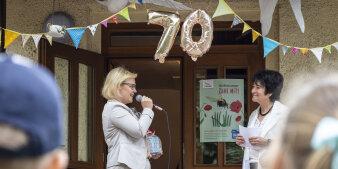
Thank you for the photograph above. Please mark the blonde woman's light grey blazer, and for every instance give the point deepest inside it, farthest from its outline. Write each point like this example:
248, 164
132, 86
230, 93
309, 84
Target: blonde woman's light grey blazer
124, 134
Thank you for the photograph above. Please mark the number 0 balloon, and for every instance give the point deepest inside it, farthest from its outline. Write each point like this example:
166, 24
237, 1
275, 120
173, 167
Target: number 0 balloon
197, 49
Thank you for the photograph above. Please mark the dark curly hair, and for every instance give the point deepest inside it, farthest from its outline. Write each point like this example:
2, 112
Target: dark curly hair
271, 80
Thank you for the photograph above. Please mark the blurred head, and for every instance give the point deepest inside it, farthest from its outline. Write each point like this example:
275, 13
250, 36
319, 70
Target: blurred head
120, 85
267, 84
296, 151
31, 119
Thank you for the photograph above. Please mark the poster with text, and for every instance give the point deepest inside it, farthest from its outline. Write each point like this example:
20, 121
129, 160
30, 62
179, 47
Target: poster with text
221, 109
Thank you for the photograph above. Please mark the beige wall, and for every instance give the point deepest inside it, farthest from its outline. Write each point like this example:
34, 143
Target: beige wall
320, 17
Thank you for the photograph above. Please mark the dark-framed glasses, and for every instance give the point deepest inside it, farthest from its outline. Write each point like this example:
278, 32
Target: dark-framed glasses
132, 86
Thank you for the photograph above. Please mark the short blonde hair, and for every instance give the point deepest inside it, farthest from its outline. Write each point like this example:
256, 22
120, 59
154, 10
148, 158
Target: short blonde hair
114, 80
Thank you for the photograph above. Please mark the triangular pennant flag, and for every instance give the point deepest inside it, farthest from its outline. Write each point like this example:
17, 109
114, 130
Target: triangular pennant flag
304, 51
269, 45
335, 45
25, 39
10, 36
92, 28
255, 35
318, 53
49, 38
236, 21
132, 5
114, 19
328, 48
36, 39
222, 9
124, 12
294, 50
104, 23
246, 27
285, 48
76, 35
140, 1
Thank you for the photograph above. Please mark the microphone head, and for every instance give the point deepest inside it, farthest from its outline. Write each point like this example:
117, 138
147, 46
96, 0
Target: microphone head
138, 98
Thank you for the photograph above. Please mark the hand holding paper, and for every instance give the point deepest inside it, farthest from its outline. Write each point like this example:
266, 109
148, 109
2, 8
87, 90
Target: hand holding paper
246, 133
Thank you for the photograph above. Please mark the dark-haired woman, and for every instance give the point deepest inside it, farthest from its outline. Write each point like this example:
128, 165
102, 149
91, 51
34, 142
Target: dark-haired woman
268, 117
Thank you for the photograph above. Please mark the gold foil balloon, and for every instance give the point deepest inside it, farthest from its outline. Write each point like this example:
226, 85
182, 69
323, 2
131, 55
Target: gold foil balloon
197, 49
171, 25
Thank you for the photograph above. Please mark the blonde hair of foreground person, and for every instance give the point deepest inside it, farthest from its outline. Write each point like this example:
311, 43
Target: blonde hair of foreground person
114, 80
14, 138
293, 151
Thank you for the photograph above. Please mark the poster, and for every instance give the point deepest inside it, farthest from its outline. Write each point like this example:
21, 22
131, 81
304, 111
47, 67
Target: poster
221, 109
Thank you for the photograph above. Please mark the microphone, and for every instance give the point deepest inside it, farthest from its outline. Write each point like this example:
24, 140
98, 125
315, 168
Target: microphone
139, 98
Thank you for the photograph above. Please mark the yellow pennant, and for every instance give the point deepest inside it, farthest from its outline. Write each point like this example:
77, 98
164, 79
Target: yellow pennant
10, 36
255, 35
246, 27
49, 38
132, 5
222, 9
304, 51
125, 14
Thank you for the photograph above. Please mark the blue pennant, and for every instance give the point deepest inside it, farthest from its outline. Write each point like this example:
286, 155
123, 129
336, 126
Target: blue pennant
140, 1
76, 35
269, 45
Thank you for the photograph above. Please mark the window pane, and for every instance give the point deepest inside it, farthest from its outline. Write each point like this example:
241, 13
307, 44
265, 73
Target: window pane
85, 130
206, 153
62, 77
234, 153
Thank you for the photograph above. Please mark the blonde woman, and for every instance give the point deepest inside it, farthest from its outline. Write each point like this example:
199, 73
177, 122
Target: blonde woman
125, 130
310, 138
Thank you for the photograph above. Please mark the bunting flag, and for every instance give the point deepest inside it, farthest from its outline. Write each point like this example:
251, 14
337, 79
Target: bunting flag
246, 27
328, 48
49, 38
222, 9
269, 45
36, 39
255, 35
25, 39
304, 51
296, 7
10, 36
285, 48
318, 53
124, 12
132, 5
92, 28
294, 50
104, 23
76, 35
236, 21
335, 45
114, 19
140, 1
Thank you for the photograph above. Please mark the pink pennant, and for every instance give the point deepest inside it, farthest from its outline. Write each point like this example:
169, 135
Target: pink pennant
294, 50
104, 23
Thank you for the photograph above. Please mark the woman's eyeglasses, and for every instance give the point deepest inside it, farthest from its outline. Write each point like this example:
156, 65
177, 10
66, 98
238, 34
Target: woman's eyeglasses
132, 86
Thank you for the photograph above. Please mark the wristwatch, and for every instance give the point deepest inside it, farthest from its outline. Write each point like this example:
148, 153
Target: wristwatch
269, 141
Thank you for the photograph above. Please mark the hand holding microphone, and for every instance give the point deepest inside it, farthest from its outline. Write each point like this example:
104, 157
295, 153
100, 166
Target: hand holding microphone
146, 102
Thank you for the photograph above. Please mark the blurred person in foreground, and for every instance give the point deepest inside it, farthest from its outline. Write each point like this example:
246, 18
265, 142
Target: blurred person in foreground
268, 117
310, 137
30, 116
124, 129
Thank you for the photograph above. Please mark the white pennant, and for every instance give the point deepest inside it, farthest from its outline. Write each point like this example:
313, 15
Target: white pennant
36, 39
25, 39
267, 7
236, 21
335, 45
285, 48
92, 28
318, 53
296, 7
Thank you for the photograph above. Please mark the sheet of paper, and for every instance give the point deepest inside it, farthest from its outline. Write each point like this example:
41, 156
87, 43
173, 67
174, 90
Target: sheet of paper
247, 133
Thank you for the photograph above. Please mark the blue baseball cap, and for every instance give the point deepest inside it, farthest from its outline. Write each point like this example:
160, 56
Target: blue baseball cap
30, 100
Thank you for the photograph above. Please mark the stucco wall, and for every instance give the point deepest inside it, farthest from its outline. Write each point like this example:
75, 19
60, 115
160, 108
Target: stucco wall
321, 26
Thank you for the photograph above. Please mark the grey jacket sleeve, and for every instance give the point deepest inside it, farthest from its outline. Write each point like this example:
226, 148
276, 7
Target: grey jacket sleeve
137, 128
